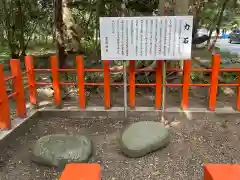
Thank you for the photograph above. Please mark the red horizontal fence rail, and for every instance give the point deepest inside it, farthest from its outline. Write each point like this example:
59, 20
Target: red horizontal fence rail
132, 85
80, 70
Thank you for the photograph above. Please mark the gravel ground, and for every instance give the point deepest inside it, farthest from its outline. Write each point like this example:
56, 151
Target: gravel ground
206, 139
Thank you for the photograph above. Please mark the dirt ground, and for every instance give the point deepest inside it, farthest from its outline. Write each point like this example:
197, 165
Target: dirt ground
145, 97
207, 138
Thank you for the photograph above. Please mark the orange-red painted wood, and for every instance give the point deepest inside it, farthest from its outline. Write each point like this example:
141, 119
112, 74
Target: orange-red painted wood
21, 110
31, 79
56, 80
107, 97
80, 82
5, 122
81, 171
221, 172
132, 87
186, 83
214, 82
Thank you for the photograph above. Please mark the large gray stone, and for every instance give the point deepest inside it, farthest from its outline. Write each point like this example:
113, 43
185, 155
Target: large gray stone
60, 149
142, 138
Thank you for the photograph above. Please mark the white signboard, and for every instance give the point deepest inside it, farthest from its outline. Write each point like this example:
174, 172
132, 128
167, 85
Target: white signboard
146, 38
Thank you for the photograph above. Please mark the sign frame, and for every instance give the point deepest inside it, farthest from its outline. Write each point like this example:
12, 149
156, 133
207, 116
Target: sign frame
132, 38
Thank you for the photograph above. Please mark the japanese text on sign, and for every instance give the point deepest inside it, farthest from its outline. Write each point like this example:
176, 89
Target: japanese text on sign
146, 38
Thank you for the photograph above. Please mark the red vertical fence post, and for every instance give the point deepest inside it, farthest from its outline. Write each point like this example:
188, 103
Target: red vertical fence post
31, 79
158, 95
80, 82
132, 84
55, 79
186, 82
238, 92
214, 82
5, 122
21, 110
107, 99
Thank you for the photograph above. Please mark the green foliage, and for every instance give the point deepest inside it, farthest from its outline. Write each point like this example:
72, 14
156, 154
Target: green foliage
22, 22
211, 10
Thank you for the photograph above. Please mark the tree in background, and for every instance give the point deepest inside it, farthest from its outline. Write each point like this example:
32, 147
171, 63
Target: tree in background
73, 25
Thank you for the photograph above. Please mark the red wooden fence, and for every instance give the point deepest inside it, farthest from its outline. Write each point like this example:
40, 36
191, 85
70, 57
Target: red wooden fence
18, 93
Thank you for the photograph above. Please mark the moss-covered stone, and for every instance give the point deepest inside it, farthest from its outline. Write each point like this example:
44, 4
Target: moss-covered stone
60, 149
142, 138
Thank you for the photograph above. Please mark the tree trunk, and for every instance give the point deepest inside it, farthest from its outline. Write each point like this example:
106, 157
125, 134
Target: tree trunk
219, 21
73, 33
10, 30
59, 32
224, 5
181, 7
20, 17
212, 26
161, 7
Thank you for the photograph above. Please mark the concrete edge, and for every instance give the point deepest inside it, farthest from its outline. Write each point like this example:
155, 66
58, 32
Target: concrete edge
19, 127
223, 110
118, 112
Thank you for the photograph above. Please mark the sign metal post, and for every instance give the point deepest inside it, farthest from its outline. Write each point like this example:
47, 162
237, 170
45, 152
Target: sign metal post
124, 74
164, 82
125, 88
